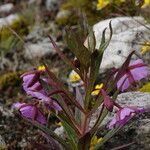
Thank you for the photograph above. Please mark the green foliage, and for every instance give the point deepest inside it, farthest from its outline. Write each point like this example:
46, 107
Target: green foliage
68, 19
78, 7
9, 41
10, 79
145, 88
89, 9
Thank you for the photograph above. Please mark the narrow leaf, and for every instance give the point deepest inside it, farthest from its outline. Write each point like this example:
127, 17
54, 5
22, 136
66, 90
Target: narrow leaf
50, 133
107, 137
59, 85
123, 146
62, 56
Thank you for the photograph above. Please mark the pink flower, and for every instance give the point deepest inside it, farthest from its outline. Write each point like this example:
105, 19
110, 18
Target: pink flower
124, 115
33, 87
30, 112
136, 71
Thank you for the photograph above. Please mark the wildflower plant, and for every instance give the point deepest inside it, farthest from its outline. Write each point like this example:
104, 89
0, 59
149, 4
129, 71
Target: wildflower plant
75, 111
103, 3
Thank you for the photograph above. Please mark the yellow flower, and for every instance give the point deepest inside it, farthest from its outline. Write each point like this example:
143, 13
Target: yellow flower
97, 89
145, 48
41, 68
74, 77
59, 124
94, 141
146, 3
102, 3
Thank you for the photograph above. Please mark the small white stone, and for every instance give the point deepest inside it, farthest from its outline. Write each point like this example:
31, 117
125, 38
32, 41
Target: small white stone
8, 20
6, 8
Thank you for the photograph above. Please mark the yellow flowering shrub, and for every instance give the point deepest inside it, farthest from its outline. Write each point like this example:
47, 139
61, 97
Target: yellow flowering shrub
145, 48
146, 3
103, 3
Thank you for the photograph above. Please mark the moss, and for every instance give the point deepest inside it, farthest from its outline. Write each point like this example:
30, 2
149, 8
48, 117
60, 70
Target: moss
89, 9
86, 7
145, 88
7, 39
10, 79
69, 20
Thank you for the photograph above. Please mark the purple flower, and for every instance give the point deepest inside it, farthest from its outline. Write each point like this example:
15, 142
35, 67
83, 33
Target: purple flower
33, 87
136, 71
30, 112
124, 115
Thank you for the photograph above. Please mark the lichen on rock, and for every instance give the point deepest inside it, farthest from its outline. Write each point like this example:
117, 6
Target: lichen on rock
10, 79
7, 38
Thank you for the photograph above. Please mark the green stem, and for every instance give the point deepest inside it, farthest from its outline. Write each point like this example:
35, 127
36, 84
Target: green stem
50, 133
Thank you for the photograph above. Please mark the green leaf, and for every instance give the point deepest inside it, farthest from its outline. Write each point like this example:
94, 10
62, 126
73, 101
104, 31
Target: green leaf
50, 133
75, 43
72, 137
91, 41
59, 85
101, 117
96, 59
62, 56
107, 137
64, 118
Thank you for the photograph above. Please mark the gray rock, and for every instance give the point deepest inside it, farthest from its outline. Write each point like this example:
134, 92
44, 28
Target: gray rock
143, 133
134, 99
38, 44
6, 8
6, 112
128, 34
38, 50
52, 5
2, 143
60, 131
8, 20
63, 14
35, 35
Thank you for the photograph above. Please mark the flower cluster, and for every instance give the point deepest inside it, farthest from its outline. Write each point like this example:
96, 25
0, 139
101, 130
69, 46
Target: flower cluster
123, 115
33, 87
136, 71
74, 109
146, 3
103, 3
